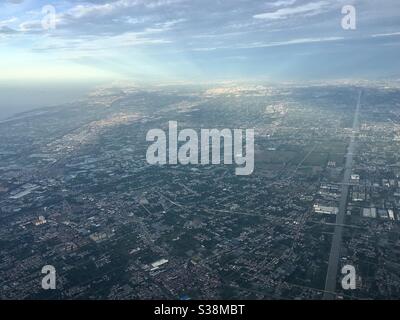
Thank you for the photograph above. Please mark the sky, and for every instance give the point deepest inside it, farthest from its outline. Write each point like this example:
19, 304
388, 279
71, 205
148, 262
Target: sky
196, 40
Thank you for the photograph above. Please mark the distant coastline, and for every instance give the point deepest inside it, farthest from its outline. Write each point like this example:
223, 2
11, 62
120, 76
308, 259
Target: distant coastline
18, 99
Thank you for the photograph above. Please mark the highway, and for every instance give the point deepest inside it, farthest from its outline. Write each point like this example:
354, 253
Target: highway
333, 263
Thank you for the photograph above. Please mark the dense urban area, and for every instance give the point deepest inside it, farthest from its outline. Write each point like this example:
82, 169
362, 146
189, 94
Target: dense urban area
77, 193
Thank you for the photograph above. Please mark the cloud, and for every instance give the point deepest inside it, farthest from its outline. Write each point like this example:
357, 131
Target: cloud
81, 11
255, 45
281, 3
33, 25
379, 35
154, 33
107, 20
7, 30
8, 21
99, 45
164, 26
293, 41
284, 13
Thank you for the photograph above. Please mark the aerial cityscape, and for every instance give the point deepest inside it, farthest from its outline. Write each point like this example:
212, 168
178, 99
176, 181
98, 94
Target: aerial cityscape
76, 191
200, 173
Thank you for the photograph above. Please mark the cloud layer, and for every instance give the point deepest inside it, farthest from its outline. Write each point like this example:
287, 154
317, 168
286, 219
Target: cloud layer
197, 38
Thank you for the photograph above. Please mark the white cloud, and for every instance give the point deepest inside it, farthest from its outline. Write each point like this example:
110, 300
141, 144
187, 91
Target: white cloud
164, 26
282, 3
8, 21
95, 10
4, 30
379, 35
284, 13
274, 43
295, 41
99, 44
33, 25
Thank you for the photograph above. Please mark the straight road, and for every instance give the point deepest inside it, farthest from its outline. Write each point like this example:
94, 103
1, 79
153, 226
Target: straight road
332, 273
